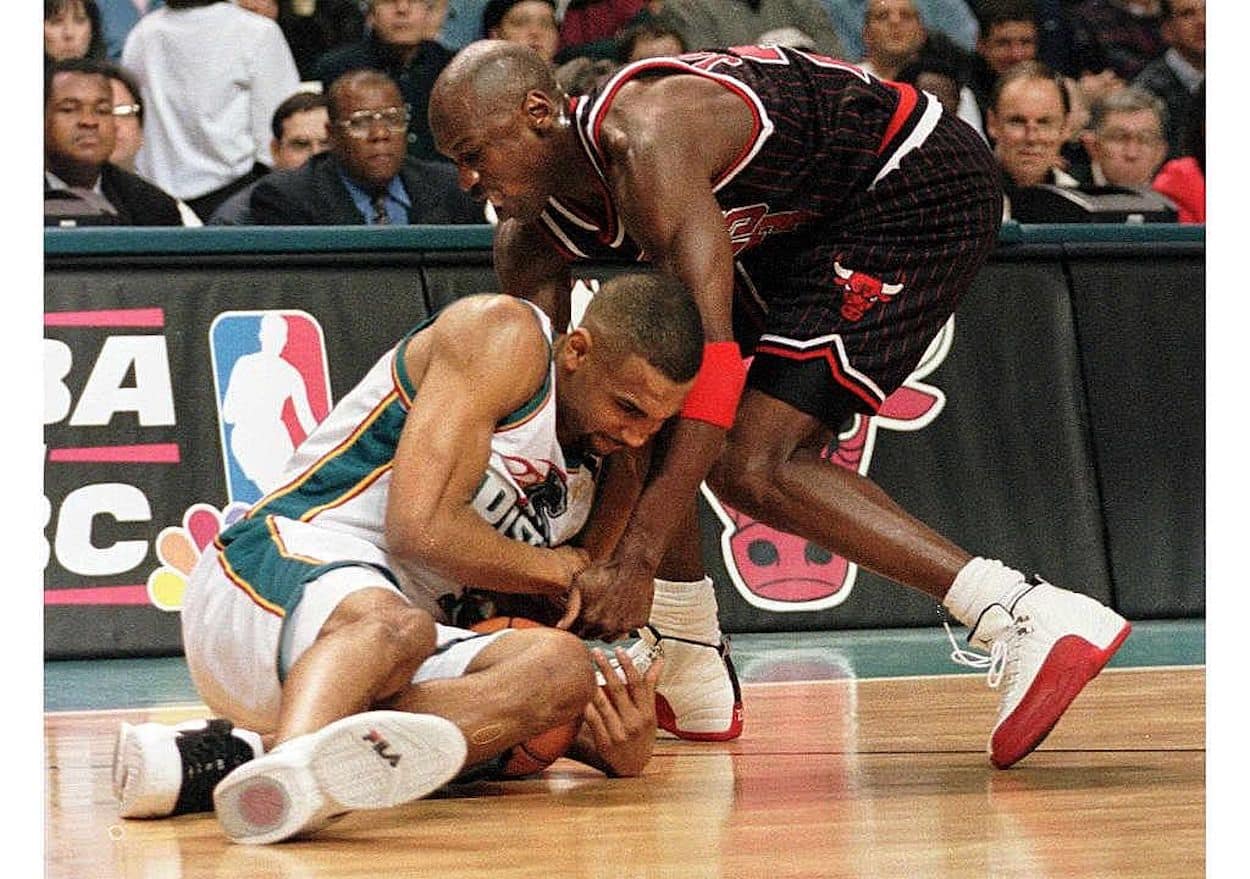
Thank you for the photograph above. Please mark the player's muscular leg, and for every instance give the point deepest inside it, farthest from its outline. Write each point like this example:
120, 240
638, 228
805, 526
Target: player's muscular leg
771, 469
519, 686
367, 650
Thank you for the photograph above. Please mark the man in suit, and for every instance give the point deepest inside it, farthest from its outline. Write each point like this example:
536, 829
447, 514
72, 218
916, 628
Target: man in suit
365, 177
80, 186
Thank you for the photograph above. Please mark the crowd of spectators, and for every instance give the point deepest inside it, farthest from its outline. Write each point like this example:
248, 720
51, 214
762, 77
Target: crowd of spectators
186, 112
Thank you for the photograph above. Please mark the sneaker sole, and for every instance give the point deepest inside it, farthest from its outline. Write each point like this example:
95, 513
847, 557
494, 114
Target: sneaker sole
374, 760
1071, 664
666, 719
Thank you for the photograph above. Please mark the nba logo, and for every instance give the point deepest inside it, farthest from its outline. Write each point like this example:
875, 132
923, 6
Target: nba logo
273, 388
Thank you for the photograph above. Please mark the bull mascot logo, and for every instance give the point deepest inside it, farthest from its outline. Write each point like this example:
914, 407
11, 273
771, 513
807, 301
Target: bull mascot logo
860, 292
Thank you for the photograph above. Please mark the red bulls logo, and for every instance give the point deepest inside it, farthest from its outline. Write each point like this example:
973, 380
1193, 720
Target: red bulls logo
780, 572
860, 292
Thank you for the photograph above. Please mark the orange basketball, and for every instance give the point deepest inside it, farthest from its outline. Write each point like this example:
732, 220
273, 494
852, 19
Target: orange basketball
537, 753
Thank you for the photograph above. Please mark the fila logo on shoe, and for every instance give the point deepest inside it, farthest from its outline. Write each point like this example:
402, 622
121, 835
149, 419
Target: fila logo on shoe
380, 745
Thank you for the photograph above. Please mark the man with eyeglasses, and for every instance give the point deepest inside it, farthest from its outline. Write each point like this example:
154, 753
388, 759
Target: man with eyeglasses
1126, 144
301, 130
80, 186
401, 43
1027, 122
366, 177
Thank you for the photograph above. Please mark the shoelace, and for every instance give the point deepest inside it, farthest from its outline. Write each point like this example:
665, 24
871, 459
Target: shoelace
994, 662
208, 756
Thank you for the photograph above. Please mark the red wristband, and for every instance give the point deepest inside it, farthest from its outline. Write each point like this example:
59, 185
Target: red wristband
718, 386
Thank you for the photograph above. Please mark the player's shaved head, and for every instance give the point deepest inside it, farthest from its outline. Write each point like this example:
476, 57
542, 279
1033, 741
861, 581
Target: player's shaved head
489, 76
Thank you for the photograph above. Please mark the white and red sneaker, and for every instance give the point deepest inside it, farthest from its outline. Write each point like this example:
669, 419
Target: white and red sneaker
697, 697
373, 760
1043, 650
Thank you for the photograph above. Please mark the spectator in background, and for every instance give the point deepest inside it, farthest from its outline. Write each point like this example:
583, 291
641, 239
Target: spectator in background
649, 39
1183, 180
718, 23
1176, 76
529, 22
71, 29
366, 177
952, 18
118, 18
206, 124
127, 116
401, 44
1027, 123
462, 24
79, 133
1125, 141
581, 75
314, 27
590, 21
892, 36
1008, 37
1121, 36
935, 76
301, 130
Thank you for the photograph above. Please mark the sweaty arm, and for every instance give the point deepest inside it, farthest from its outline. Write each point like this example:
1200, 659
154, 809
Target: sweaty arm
445, 447
529, 266
663, 158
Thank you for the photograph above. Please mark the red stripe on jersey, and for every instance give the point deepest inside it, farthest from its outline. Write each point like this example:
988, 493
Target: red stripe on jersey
626, 74
907, 98
834, 367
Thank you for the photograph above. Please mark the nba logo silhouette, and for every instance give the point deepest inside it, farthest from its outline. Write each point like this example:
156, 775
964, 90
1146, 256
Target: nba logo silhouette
273, 388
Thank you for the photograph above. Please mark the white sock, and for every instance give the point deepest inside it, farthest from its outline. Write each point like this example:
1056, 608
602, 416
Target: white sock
979, 584
686, 609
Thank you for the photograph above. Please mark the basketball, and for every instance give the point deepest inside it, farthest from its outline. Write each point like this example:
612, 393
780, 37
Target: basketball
537, 753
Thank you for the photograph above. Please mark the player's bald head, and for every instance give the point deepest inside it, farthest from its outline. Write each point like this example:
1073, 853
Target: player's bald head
488, 77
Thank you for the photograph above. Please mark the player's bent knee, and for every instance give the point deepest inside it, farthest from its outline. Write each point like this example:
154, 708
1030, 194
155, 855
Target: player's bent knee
563, 675
402, 636
743, 477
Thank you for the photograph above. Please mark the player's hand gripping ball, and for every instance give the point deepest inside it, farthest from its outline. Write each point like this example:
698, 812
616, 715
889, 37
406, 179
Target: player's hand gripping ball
535, 754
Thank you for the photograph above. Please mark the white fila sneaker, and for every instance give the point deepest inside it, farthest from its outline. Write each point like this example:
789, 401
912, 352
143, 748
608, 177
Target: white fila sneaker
1043, 650
161, 770
697, 697
373, 760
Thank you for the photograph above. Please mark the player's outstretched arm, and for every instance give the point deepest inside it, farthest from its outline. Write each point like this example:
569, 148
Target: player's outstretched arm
618, 731
483, 357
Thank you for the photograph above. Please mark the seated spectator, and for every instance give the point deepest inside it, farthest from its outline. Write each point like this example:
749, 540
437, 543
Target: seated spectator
935, 76
1027, 124
400, 43
1125, 141
206, 125
590, 21
80, 186
892, 36
531, 22
650, 38
1008, 37
953, 19
118, 18
71, 29
705, 24
1176, 75
582, 75
127, 116
301, 130
1183, 180
1121, 36
462, 24
314, 27
366, 177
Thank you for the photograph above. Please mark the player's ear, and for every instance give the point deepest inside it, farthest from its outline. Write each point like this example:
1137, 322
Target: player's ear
540, 110
576, 349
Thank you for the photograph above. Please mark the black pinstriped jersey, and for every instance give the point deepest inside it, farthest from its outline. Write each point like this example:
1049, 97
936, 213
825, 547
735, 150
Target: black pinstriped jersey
824, 132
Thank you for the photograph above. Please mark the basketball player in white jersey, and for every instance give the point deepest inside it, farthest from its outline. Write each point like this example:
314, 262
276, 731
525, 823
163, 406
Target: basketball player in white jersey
470, 454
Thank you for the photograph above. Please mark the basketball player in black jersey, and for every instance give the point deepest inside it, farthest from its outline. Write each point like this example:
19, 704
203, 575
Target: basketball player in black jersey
827, 223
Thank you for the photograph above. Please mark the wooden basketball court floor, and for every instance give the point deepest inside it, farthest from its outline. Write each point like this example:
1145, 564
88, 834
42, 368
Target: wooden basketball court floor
863, 756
